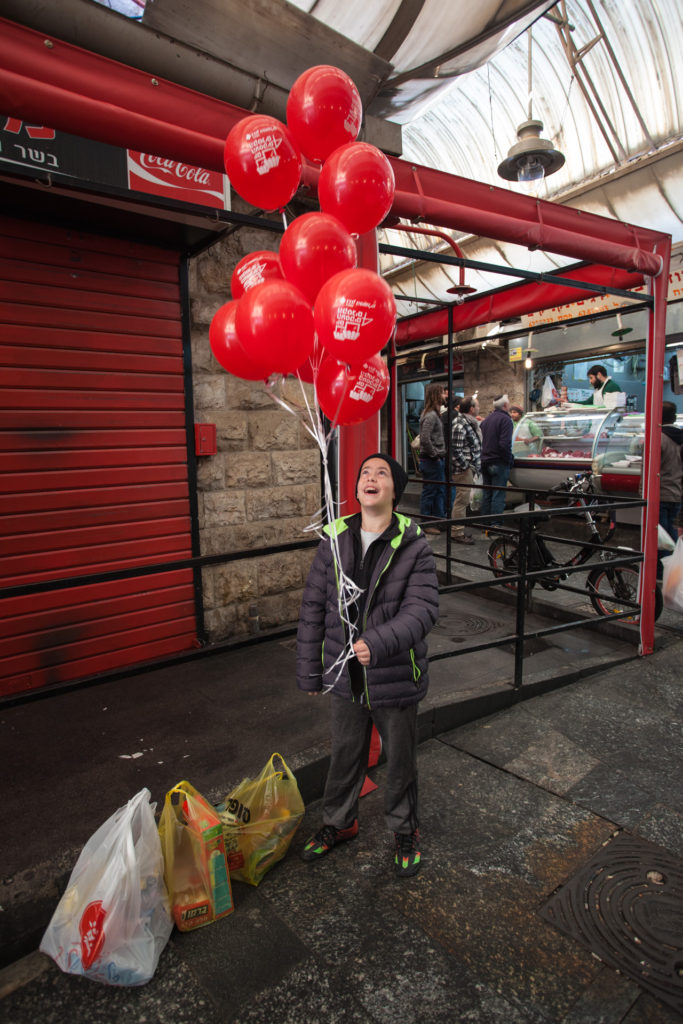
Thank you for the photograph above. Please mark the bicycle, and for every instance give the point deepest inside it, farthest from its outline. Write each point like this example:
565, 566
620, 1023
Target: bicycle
612, 590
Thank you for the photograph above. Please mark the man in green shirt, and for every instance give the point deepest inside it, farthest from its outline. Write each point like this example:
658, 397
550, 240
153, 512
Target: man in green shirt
602, 385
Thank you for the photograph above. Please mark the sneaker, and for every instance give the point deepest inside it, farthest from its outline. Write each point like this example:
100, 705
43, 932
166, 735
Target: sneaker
463, 538
325, 838
407, 856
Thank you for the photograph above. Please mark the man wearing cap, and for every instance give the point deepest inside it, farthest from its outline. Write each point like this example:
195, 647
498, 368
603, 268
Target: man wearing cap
496, 456
382, 627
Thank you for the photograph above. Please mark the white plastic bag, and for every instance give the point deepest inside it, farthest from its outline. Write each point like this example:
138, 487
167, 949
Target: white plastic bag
672, 581
113, 921
665, 541
549, 393
476, 494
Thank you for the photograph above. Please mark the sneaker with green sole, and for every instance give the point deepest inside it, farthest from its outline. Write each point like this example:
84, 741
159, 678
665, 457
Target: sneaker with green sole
407, 855
325, 839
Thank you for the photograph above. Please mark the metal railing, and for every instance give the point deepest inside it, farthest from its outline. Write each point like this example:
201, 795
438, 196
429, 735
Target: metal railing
522, 527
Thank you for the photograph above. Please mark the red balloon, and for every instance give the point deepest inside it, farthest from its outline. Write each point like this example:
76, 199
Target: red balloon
357, 185
275, 325
349, 396
227, 349
355, 315
324, 111
262, 161
314, 247
253, 269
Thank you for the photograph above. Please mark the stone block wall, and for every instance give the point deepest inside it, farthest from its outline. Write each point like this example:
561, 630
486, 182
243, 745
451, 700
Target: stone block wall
262, 488
489, 372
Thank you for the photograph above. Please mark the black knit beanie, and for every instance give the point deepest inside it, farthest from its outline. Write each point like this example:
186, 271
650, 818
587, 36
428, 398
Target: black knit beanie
398, 474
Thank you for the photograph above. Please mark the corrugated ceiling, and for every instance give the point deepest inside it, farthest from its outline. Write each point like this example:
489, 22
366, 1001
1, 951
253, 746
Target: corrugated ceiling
470, 128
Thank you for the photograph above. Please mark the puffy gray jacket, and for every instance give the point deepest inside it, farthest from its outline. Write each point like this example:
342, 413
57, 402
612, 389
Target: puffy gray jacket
401, 605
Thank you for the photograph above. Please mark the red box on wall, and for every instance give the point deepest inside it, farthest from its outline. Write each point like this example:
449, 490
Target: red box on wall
205, 438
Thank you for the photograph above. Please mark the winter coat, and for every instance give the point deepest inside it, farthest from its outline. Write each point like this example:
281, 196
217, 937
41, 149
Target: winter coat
671, 466
399, 606
496, 432
465, 445
432, 442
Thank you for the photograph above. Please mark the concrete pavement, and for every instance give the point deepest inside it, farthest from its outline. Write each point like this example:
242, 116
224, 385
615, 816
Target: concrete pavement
516, 797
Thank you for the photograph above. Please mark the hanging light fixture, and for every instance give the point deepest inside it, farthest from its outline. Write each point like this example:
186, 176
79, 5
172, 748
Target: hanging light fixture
531, 158
621, 330
528, 361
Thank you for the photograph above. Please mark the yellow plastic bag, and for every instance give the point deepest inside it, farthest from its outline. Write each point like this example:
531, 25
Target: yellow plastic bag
195, 865
260, 817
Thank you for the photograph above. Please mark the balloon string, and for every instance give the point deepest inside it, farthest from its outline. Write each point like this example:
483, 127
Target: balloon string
349, 592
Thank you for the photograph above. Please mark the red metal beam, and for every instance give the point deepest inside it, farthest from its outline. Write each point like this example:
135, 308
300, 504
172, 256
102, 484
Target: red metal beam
445, 199
47, 81
525, 298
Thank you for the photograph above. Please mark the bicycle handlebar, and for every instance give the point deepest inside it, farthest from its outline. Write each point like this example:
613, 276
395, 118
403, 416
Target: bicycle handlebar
572, 483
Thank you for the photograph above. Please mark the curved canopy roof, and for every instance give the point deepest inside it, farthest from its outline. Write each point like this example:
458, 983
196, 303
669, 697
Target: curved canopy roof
622, 138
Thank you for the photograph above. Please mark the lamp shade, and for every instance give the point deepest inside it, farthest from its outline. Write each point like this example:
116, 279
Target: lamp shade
531, 157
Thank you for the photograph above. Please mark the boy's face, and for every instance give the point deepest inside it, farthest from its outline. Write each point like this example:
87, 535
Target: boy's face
375, 485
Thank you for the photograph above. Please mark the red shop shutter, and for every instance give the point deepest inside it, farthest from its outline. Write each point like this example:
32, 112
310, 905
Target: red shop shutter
93, 459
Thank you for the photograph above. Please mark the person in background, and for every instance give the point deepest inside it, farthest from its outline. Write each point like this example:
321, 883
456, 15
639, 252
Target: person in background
432, 457
450, 410
602, 385
387, 623
496, 456
529, 433
670, 470
465, 462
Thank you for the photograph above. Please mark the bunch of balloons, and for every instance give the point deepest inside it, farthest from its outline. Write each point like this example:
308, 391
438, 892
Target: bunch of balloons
309, 310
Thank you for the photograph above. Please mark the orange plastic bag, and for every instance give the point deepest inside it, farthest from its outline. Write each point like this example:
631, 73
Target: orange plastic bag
195, 865
260, 817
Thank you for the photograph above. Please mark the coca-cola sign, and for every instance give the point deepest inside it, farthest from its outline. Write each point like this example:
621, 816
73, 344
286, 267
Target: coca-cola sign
157, 176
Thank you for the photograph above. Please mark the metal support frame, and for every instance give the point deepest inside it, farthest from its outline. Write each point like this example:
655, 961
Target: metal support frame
539, 291
49, 82
575, 59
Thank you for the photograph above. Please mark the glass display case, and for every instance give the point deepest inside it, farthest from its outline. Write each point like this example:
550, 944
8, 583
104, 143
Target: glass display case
551, 445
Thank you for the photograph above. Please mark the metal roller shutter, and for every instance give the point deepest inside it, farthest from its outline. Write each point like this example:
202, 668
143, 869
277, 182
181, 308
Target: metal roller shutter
93, 457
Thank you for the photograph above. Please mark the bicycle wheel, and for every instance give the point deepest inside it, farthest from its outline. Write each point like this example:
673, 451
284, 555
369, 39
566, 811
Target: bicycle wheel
610, 588
503, 559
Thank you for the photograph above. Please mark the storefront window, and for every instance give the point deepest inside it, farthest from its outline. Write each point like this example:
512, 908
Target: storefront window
410, 405
414, 374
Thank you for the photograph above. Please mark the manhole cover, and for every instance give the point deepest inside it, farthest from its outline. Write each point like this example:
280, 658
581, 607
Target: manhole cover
469, 625
626, 906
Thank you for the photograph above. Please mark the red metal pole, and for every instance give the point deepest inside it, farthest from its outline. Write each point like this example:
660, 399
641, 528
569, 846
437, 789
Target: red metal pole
362, 439
416, 229
656, 348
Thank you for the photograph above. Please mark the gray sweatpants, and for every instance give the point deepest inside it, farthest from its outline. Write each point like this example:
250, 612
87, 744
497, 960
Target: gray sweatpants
351, 727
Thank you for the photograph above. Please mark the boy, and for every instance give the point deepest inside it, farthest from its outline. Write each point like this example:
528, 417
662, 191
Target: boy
390, 561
